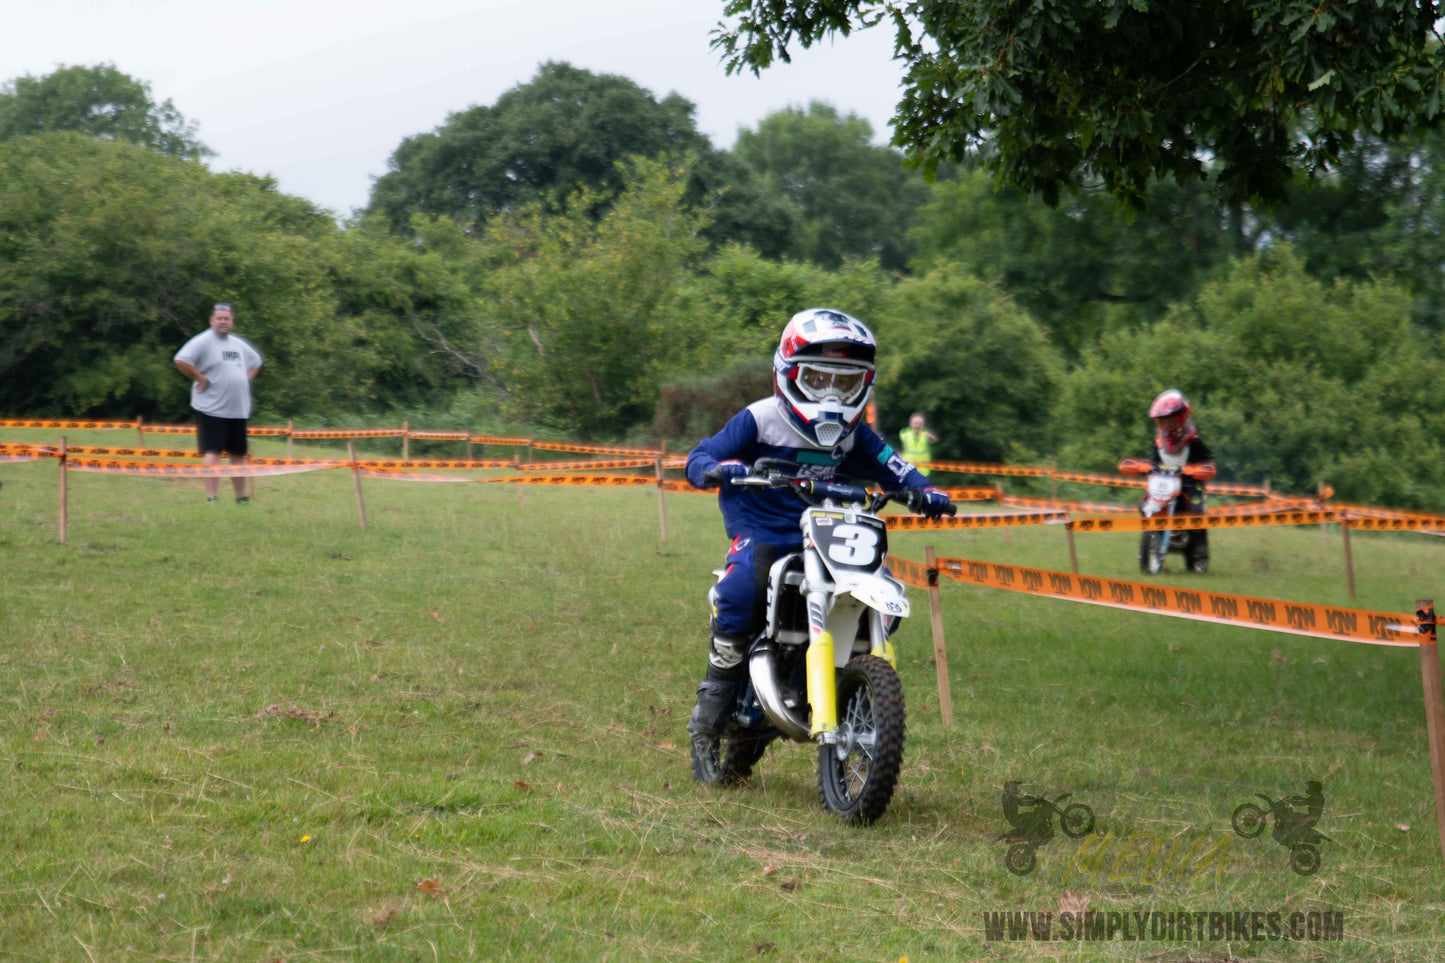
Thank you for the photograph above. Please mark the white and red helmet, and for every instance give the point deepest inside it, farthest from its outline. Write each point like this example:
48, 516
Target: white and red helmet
1170, 412
823, 374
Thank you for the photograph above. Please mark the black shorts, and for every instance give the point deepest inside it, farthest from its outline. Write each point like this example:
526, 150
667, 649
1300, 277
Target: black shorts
222, 435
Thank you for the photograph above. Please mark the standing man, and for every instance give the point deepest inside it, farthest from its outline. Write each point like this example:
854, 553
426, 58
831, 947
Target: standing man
221, 366
916, 441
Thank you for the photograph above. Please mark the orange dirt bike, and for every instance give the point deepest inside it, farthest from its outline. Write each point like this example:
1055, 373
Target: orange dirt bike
1164, 495
821, 670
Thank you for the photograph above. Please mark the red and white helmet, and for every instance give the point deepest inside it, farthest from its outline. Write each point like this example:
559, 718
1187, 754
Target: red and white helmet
1170, 412
823, 374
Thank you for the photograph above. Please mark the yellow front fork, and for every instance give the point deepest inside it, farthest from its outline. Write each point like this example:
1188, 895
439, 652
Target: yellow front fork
822, 683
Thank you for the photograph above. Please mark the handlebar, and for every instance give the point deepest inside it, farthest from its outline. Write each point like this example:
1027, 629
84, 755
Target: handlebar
778, 473
1203, 471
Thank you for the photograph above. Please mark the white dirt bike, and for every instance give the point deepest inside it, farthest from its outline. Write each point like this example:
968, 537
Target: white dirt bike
1162, 490
821, 669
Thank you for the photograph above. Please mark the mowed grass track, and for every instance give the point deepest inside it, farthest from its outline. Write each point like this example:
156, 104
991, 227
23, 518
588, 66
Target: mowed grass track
259, 732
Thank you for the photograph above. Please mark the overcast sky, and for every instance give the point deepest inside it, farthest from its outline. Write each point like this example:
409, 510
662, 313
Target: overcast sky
318, 93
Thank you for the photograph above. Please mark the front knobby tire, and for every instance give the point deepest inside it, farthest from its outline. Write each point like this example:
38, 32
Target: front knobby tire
856, 777
1151, 558
728, 760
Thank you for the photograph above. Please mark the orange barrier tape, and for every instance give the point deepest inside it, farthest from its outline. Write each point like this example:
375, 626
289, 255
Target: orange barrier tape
1178, 523
348, 433
81, 425
915, 523
133, 452
498, 440
1298, 618
594, 465
439, 435
392, 464
593, 449
4, 456
159, 470
1099, 508
982, 468
169, 429
25, 448
605, 481
972, 494
191, 430
396, 475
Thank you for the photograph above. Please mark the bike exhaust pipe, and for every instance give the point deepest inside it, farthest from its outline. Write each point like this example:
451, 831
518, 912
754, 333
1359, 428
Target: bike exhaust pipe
762, 669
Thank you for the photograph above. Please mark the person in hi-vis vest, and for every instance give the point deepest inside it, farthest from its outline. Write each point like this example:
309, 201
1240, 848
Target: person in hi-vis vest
916, 440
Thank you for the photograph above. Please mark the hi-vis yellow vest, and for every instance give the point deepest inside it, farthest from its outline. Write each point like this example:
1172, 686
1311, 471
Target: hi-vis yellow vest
915, 447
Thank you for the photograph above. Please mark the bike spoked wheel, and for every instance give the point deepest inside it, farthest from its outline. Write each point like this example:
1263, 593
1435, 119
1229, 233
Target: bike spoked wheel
857, 776
729, 759
1304, 859
1077, 820
1248, 820
1020, 859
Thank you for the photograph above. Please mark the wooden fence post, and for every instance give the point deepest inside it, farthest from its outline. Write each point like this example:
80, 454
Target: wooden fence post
1349, 558
288, 439
1073, 555
661, 496
64, 495
140, 431
1434, 708
405, 440
940, 651
356, 477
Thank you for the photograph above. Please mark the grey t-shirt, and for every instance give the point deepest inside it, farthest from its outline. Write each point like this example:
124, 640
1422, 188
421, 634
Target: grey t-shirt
224, 362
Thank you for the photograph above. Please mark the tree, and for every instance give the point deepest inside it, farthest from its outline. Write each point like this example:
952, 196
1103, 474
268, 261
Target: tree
1290, 378
99, 101
961, 351
1082, 267
1055, 92
112, 254
853, 199
542, 141
587, 306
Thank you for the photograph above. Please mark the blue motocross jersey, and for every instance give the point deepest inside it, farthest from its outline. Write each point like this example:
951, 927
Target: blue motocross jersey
760, 431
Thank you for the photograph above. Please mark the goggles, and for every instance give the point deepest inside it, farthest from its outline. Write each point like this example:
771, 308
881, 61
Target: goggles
1170, 422
818, 382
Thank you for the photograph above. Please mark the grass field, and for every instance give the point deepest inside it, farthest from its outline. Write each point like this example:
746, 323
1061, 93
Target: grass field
261, 733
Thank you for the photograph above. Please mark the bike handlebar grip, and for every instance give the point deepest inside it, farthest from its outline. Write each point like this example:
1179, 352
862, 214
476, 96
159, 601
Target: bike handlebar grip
1134, 466
713, 476
951, 510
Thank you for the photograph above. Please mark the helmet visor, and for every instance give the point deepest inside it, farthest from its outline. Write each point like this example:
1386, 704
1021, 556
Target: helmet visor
818, 382
1171, 422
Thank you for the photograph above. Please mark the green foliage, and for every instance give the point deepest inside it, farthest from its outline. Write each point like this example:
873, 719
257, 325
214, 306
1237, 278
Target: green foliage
563, 131
1290, 378
979, 368
1083, 266
588, 309
100, 101
744, 299
111, 256
850, 198
1055, 92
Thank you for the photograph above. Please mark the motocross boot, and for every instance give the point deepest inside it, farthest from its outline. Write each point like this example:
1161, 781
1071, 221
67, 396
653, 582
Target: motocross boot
725, 671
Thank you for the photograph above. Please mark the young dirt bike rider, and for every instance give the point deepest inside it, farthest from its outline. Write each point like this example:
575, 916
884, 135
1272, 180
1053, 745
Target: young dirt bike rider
822, 379
1177, 444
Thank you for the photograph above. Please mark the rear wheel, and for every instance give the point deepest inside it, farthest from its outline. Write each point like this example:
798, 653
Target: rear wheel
856, 776
729, 759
